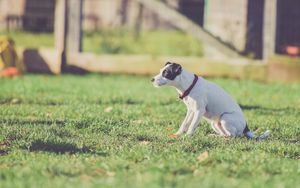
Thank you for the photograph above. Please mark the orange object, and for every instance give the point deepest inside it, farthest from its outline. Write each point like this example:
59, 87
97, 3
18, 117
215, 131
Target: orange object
292, 50
173, 136
10, 72
203, 156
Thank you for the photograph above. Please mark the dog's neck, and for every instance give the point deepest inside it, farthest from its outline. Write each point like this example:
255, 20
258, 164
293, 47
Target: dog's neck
185, 79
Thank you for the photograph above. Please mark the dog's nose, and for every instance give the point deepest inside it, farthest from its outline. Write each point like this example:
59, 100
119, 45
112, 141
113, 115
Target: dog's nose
152, 80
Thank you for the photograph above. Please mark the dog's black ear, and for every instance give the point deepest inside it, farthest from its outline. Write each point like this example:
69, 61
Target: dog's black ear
177, 68
168, 63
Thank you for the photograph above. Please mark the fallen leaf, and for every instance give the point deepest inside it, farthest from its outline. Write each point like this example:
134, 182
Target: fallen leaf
85, 177
198, 173
169, 129
203, 156
108, 109
173, 136
15, 101
144, 142
110, 174
138, 121
257, 130
49, 114
4, 143
102, 172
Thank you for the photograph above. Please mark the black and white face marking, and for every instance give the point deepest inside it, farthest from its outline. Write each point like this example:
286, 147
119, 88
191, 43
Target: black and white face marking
167, 75
171, 71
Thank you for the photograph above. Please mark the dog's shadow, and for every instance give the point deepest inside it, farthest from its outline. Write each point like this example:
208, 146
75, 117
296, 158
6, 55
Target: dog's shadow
62, 148
266, 110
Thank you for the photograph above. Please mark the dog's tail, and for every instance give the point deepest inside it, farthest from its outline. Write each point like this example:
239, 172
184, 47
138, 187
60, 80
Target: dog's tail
250, 135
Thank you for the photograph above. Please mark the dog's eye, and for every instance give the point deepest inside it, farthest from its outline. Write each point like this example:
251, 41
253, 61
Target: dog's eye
165, 73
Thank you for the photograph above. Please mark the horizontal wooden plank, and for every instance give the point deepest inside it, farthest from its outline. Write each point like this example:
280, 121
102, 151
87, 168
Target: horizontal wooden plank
47, 61
149, 65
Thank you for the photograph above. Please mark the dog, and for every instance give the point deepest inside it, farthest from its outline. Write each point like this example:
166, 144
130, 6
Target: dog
204, 99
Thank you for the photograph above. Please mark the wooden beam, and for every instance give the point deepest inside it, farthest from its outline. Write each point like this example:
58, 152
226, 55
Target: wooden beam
124, 12
183, 23
148, 65
60, 26
74, 31
269, 28
138, 22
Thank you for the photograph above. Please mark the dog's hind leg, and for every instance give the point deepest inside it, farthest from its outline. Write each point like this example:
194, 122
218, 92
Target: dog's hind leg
230, 125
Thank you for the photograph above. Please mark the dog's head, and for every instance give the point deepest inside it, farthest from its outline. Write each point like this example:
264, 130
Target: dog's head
168, 75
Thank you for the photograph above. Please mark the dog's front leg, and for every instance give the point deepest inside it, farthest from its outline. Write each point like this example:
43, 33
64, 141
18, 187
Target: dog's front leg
196, 120
185, 124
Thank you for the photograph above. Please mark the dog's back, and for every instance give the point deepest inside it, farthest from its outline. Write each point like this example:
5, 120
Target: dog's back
218, 100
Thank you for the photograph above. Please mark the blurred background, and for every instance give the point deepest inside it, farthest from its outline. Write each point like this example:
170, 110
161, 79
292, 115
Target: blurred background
251, 39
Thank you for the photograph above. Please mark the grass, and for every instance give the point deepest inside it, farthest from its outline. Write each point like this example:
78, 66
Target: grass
111, 131
29, 40
285, 59
158, 42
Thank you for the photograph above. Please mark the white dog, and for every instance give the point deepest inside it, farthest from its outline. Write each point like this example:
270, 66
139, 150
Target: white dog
204, 99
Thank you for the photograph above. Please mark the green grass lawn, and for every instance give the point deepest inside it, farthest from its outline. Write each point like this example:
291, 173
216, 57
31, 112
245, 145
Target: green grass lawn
156, 42
112, 131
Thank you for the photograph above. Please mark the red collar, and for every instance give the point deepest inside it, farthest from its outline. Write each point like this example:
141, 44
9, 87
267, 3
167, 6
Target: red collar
187, 92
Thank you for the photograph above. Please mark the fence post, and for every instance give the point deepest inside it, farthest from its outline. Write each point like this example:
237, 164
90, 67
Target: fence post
138, 22
60, 26
74, 31
269, 28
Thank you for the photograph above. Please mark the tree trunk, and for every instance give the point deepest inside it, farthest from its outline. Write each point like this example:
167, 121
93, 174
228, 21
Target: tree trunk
138, 22
123, 12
